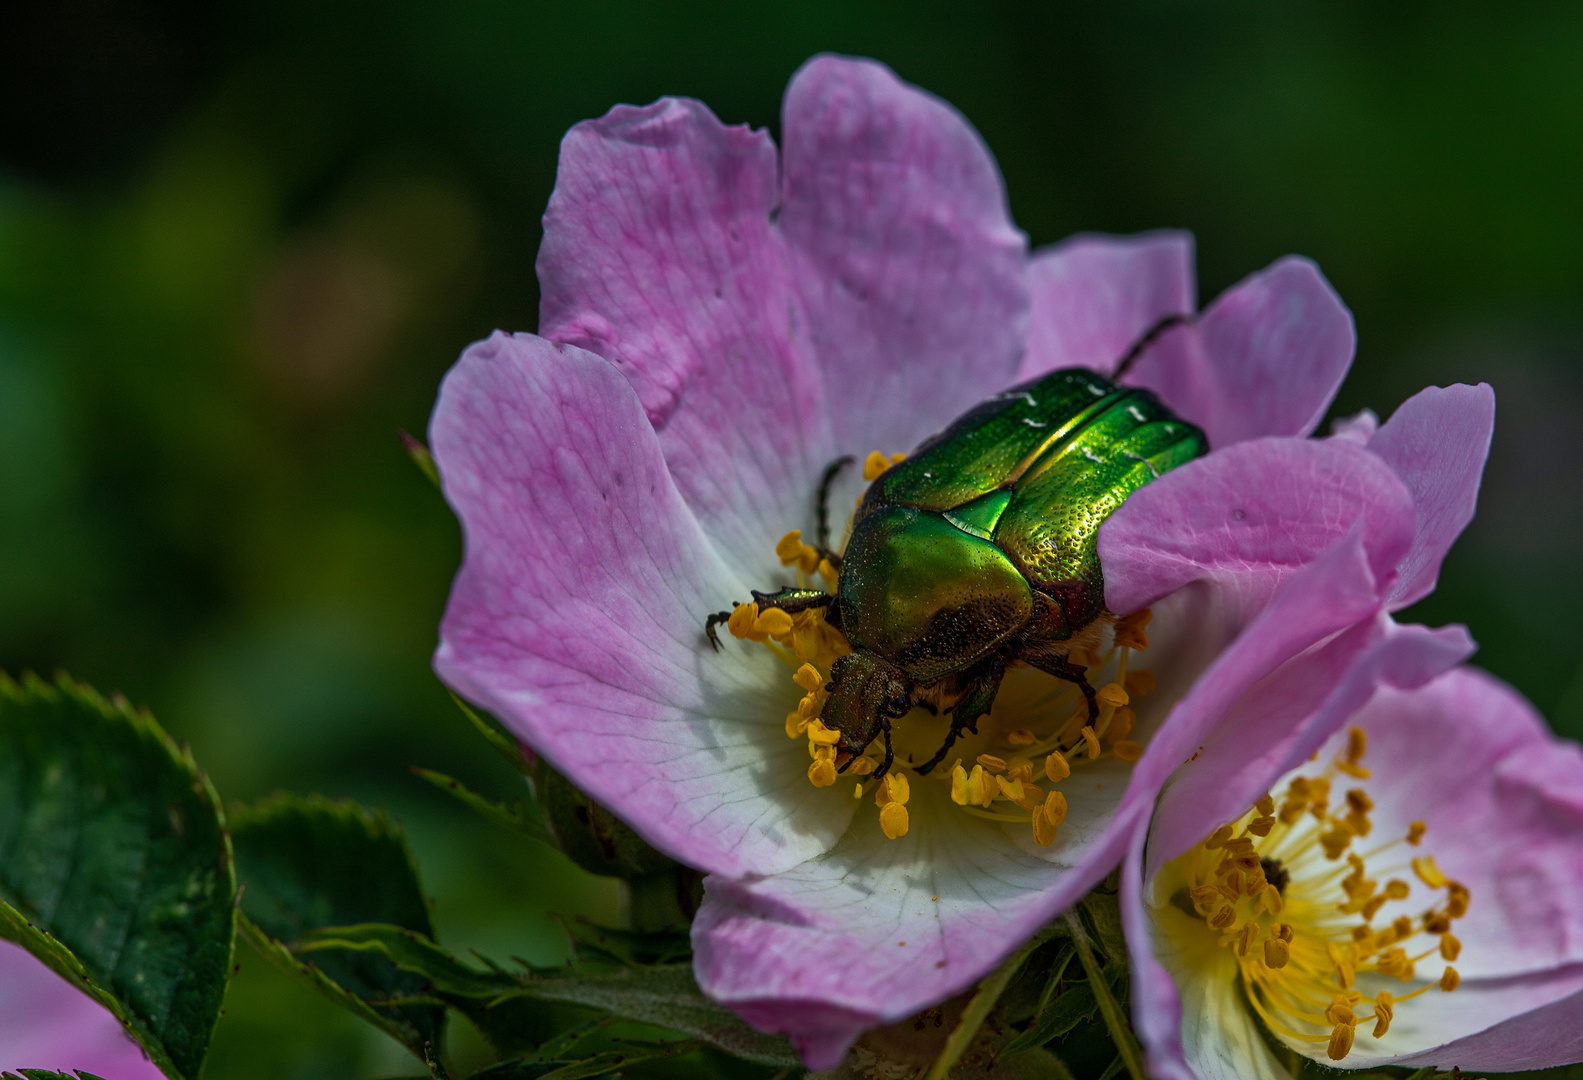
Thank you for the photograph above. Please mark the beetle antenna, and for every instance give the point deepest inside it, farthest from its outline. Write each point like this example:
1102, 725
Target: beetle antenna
1149, 336
831, 471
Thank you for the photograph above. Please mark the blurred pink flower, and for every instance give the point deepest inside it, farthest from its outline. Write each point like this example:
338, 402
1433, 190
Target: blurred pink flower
719, 322
46, 1023
1467, 798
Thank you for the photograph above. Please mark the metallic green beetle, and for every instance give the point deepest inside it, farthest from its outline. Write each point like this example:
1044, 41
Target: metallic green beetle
979, 549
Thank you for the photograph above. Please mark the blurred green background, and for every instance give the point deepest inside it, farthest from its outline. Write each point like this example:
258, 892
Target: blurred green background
240, 245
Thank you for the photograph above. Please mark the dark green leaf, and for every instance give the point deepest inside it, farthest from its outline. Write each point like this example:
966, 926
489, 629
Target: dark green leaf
668, 997
1057, 1014
503, 744
519, 815
630, 947
114, 864
45, 1074
307, 863
608, 1062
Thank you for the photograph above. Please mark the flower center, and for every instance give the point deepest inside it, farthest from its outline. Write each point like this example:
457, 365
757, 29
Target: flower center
1038, 731
1284, 891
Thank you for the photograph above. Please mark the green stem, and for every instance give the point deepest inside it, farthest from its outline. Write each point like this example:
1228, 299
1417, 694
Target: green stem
654, 902
1120, 1031
978, 1008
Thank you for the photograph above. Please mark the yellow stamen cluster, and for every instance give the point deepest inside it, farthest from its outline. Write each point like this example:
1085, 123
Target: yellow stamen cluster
1000, 785
1316, 918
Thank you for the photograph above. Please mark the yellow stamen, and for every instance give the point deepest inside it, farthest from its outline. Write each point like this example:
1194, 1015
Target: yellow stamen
1056, 768
874, 465
1397, 889
809, 679
1450, 947
1395, 963
796, 724
1340, 1042
959, 793
1054, 808
1450, 980
1424, 866
1127, 750
1276, 952
1111, 694
893, 820
1121, 725
1129, 633
742, 619
1415, 832
1384, 1012
828, 571
1090, 742
863, 766
1270, 897
821, 735
992, 763
1139, 683
822, 772
1022, 737
1266, 805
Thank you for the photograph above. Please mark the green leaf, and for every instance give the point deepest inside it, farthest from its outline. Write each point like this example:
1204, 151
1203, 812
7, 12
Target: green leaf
1058, 1014
115, 869
668, 997
307, 863
45, 1074
502, 743
519, 815
421, 457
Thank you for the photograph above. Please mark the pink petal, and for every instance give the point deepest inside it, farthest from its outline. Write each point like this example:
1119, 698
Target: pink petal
1541, 1025
1285, 717
46, 1023
881, 929
1358, 428
1503, 799
772, 320
660, 254
912, 273
1091, 297
577, 616
1265, 359
1437, 442
1250, 516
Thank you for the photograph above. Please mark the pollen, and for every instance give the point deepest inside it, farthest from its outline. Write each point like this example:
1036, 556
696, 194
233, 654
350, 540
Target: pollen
1056, 768
791, 551
1293, 896
1130, 630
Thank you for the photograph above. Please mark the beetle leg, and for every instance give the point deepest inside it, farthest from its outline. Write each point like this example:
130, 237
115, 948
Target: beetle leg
822, 537
978, 700
713, 621
1147, 338
890, 751
1066, 670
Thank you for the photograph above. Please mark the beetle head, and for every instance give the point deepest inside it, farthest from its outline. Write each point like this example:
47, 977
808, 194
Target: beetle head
865, 692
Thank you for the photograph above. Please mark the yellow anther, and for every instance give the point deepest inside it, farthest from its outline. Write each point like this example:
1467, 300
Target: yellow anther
1342, 961
1139, 683
808, 707
1121, 725
1358, 801
1354, 770
1022, 737
1090, 742
1357, 745
1384, 1012
1054, 808
1395, 963
1129, 632
1224, 917
1219, 837
822, 772
1402, 927
821, 735
893, 819
959, 793
1026, 796
1127, 750
1078, 658
808, 678
1020, 769
981, 789
1450, 980
1266, 805
1340, 1011
773, 622
863, 766
1372, 908
857, 791
1043, 828
789, 547
743, 616
1415, 832
1112, 694
796, 724
1450, 947
992, 763
875, 464
1247, 935
1457, 901
1270, 897
1284, 931
1261, 826
1336, 841
1397, 889
1340, 1042
893, 788
828, 571
1056, 768
1424, 866
1276, 952
1204, 894
1239, 847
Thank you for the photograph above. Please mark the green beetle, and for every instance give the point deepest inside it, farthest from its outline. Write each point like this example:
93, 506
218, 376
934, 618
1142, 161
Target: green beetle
979, 550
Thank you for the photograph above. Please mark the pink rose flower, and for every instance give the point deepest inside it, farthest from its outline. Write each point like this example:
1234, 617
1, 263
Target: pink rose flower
46, 1023
719, 323
1431, 915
